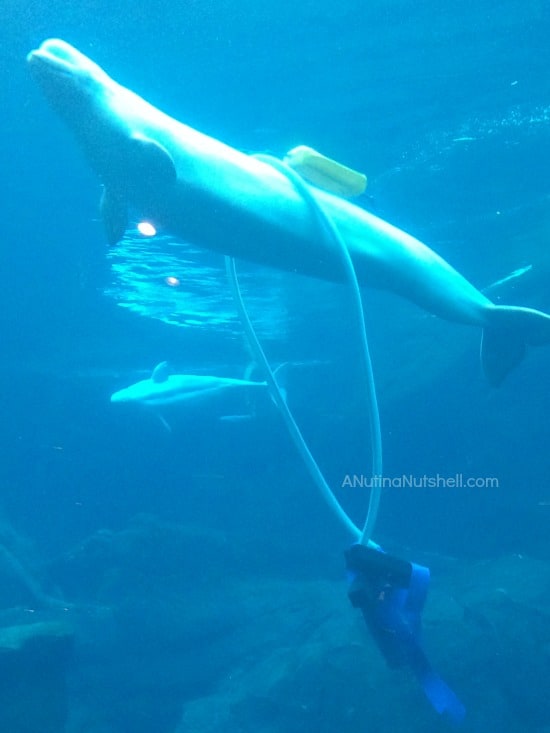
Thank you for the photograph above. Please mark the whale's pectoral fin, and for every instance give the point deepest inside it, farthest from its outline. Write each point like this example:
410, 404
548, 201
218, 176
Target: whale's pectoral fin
151, 161
114, 213
146, 161
506, 337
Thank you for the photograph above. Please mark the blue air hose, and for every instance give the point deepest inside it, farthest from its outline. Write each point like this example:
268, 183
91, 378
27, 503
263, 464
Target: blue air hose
325, 223
389, 591
292, 427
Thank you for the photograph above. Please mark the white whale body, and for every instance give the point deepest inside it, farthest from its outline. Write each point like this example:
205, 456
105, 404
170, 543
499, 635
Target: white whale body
164, 388
206, 192
189, 393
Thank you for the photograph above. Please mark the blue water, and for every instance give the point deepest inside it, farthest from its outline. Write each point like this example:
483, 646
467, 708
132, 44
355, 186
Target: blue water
446, 108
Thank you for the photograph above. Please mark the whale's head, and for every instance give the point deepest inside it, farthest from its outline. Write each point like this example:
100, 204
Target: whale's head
145, 393
138, 393
83, 95
123, 396
71, 81
111, 124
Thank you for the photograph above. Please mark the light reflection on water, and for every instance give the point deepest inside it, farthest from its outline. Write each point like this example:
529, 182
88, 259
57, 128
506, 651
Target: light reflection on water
164, 279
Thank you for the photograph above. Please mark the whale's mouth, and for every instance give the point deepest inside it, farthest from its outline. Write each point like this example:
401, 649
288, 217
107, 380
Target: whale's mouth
55, 55
58, 59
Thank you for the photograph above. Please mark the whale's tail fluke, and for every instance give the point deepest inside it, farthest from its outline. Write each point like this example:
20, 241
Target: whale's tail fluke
508, 333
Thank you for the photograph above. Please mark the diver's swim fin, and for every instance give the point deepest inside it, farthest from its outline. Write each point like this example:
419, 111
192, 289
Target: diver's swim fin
506, 337
390, 593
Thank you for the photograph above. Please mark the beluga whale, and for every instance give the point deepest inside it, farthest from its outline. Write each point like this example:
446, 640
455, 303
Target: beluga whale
165, 389
195, 187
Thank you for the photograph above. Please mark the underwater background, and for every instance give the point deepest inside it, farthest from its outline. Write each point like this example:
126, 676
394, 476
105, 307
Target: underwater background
193, 579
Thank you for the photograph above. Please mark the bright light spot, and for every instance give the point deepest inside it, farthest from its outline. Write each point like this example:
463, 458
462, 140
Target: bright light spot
172, 281
146, 228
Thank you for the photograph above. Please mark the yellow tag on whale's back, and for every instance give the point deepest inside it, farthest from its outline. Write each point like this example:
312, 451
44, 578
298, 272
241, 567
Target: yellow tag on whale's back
325, 172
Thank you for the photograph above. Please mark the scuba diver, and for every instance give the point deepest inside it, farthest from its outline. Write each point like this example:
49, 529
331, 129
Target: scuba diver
390, 593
